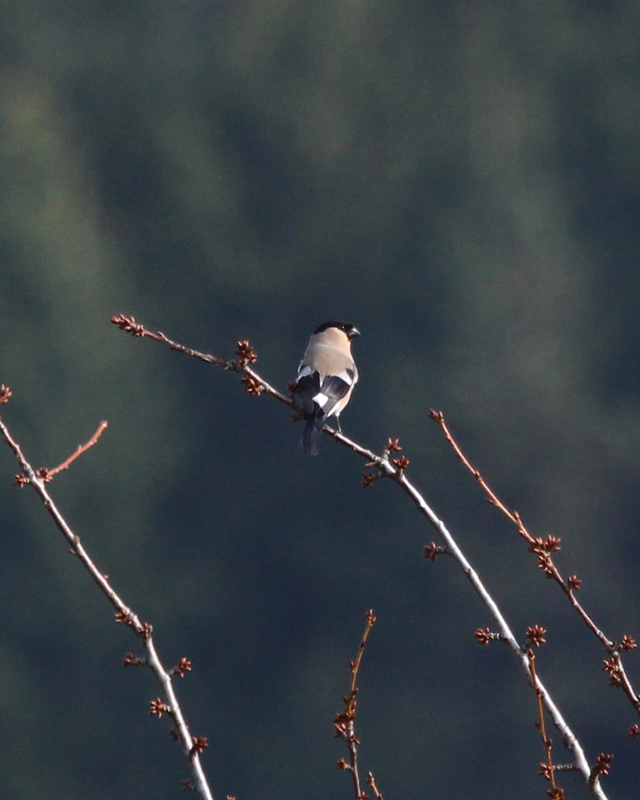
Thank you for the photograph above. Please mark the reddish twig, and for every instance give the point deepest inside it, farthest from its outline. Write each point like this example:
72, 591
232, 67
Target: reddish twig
543, 549
547, 770
47, 475
82, 448
438, 416
372, 783
254, 384
190, 745
344, 721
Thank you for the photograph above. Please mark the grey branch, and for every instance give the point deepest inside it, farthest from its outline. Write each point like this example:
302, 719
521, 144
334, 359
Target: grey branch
141, 629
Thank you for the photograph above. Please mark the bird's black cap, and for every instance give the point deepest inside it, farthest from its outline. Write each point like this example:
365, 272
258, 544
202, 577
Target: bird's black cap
347, 327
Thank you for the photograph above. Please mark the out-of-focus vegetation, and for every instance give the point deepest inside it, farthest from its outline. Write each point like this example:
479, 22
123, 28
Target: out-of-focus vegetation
460, 180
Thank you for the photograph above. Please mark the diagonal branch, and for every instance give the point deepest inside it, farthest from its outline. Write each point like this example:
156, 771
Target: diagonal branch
190, 745
345, 721
543, 549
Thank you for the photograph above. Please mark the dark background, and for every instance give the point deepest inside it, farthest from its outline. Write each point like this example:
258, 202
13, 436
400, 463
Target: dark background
461, 181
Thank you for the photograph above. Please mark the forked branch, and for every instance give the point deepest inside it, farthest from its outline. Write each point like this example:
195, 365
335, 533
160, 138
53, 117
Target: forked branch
191, 746
543, 548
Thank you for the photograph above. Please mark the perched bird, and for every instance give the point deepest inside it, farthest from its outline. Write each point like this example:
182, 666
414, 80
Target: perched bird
326, 377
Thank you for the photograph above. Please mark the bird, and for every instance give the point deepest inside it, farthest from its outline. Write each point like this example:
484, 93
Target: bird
326, 377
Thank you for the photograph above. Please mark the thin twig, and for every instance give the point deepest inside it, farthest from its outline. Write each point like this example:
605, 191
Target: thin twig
47, 475
568, 737
395, 470
547, 770
190, 745
345, 721
372, 783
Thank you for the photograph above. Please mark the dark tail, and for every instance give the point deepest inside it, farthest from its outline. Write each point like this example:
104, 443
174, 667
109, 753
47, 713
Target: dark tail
312, 432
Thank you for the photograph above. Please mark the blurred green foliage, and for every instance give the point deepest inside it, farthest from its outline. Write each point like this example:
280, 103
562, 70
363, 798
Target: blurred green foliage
460, 180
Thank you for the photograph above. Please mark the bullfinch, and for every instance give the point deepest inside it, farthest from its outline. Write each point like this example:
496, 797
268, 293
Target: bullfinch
326, 377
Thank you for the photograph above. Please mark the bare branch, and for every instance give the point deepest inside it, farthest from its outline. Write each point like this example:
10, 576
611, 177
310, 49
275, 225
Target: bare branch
372, 783
345, 721
48, 475
543, 549
190, 745
548, 769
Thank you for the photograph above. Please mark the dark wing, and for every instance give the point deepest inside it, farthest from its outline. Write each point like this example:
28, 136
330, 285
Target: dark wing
318, 401
333, 389
308, 387
313, 395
